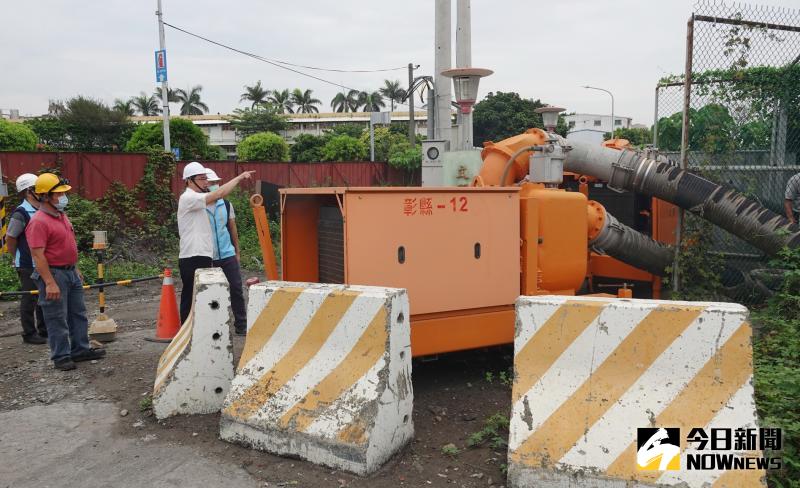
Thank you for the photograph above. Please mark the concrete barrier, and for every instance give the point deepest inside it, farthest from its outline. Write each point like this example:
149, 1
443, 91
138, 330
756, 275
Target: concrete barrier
196, 369
589, 372
325, 375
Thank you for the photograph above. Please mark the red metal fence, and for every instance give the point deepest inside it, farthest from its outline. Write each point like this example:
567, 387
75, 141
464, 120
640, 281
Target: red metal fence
92, 173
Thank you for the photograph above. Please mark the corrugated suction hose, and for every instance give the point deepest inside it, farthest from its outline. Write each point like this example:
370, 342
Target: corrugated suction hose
630, 246
634, 171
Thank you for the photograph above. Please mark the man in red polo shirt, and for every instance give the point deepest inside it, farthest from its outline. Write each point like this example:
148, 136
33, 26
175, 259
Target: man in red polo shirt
52, 242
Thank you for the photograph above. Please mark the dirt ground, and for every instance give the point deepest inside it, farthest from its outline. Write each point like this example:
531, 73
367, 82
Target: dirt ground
453, 396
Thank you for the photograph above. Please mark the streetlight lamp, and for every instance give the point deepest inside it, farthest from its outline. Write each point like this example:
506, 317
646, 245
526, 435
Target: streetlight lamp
612, 105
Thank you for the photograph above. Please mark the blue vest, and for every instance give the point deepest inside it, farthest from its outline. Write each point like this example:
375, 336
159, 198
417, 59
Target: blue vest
223, 246
23, 258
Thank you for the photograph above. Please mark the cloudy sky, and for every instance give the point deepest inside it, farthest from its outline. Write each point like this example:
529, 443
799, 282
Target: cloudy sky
55, 49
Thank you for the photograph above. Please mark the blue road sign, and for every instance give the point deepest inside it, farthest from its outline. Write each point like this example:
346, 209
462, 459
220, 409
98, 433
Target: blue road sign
177, 152
161, 65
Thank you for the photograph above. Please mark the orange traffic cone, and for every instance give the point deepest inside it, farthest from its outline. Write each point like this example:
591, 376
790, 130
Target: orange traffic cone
168, 321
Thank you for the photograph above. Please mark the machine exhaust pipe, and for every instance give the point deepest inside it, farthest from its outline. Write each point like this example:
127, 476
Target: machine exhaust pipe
658, 177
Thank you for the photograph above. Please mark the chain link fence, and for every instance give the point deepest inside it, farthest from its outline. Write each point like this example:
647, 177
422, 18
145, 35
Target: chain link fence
743, 126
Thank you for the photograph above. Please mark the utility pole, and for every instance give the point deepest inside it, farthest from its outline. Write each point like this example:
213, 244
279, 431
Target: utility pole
164, 87
442, 60
412, 139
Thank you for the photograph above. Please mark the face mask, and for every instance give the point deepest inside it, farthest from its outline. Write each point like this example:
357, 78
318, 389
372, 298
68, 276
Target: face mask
213, 187
61, 204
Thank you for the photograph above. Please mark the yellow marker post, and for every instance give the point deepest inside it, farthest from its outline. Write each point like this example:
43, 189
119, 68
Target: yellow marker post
103, 328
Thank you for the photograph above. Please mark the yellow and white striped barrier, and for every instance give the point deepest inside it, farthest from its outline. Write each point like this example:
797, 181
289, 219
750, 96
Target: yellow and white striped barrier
196, 369
590, 371
325, 375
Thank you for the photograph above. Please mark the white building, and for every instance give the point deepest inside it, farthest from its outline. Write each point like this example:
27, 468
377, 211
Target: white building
9, 113
220, 132
592, 127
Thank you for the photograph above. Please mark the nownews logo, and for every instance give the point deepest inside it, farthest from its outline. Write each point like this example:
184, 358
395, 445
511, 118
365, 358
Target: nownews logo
659, 448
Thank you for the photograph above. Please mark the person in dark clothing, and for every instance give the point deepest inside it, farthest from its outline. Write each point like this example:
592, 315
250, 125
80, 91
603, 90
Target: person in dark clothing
33, 328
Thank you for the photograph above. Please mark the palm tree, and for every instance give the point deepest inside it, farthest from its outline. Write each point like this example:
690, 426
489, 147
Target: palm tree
282, 100
256, 94
393, 92
190, 101
371, 102
305, 102
172, 97
124, 107
146, 105
339, 103
352, 100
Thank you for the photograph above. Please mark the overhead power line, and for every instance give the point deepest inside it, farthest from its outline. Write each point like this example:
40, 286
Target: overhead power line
287, 63
280, 64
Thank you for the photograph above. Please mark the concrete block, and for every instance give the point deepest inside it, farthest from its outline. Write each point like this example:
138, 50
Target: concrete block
196, 369
589, 372
325, 375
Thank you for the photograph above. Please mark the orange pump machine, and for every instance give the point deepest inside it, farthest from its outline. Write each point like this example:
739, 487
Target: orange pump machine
463, 254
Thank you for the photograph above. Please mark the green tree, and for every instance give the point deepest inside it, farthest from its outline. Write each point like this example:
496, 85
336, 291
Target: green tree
261, 118
711, 130
307, 148
16, 137
92, 126
501, 115
124, 106
637, 136
755, 135
351, 129
385, 139
371, 101
305, 102
183, 134
393, 92
50, 131
282, 100
344, 148
255, 94
146, 105
265, 146
172, 96
339, 103
190, 101
669, 132
406, 157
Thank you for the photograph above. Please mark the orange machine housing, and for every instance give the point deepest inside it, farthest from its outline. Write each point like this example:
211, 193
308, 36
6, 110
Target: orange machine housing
463, 254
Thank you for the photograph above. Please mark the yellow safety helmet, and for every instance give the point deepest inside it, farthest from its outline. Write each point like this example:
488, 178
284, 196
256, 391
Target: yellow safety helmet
48, 183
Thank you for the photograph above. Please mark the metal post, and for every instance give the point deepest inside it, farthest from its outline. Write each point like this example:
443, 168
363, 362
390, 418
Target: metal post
687, 100
431, 123
464, 60
441, 83
164, 87
412, 130
655, 121
613, 124
371, 140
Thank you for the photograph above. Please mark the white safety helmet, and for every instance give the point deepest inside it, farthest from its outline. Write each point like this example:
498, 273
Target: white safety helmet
212, 175
25, 181
193, 169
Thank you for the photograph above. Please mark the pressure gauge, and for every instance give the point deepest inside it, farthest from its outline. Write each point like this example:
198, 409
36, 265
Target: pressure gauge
433, 153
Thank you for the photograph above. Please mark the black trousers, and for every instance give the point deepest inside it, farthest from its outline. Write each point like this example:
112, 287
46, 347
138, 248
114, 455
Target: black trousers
187, 267
30, 312
230, 266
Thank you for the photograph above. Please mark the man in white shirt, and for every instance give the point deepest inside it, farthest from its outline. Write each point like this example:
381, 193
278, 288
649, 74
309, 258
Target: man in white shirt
194, 228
